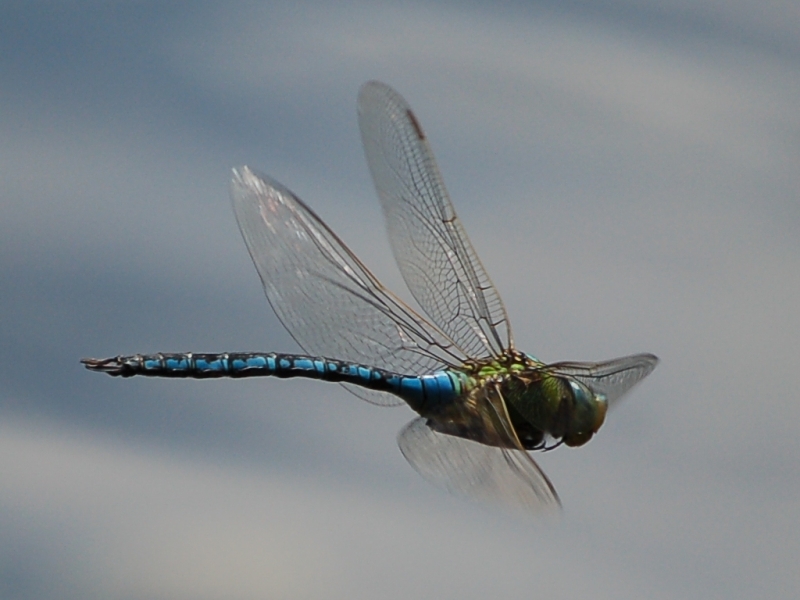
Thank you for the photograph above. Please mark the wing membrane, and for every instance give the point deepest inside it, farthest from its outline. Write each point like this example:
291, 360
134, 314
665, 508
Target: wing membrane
613, 378
477, 455
432, 249
324, 296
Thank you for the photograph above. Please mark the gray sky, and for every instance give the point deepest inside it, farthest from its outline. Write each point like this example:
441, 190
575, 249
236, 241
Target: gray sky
628, 172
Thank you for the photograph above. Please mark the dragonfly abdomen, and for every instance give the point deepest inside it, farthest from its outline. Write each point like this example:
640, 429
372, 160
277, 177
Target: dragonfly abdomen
423, 391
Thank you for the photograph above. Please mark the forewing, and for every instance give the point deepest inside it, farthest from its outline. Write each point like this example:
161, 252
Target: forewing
324, 296
478, 458
612, 378
432, 249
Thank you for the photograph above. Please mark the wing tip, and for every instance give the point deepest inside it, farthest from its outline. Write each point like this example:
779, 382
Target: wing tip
247, 182
240, 174
650, 362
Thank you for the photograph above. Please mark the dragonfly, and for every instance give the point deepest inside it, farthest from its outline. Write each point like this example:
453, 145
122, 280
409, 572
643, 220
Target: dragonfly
483, 405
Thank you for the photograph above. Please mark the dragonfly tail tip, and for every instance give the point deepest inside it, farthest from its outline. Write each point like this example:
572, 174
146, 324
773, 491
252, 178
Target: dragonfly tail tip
112, 366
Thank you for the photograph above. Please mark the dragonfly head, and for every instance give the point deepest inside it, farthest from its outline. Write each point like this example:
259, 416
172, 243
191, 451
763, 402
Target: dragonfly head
589, 412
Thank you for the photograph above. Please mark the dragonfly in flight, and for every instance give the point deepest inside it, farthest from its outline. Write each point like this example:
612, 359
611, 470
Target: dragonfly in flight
482, 404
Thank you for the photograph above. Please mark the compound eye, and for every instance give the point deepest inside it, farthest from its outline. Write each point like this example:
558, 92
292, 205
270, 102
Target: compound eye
578, 392
589, 413
578, 439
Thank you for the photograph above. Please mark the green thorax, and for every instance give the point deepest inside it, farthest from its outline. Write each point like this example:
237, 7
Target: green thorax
539, 401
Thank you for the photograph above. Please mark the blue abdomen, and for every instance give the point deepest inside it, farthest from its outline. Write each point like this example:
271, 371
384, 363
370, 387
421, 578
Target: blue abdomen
423, 392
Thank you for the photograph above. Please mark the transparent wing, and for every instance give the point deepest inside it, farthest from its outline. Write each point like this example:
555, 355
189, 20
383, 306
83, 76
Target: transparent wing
613, 378
324, 296
479, 458
432, 249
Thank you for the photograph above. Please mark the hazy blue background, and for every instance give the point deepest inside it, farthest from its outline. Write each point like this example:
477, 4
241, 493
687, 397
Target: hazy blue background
628, 171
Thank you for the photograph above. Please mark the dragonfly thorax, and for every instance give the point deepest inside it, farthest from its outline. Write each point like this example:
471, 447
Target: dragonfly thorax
496, 367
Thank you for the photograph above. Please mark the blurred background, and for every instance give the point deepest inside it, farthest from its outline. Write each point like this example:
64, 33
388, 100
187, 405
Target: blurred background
629, 172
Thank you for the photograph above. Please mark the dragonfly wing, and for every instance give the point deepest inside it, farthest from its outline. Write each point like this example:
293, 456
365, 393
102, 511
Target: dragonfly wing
473, 470
612, 378
478, 457
324, 296
432, 249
